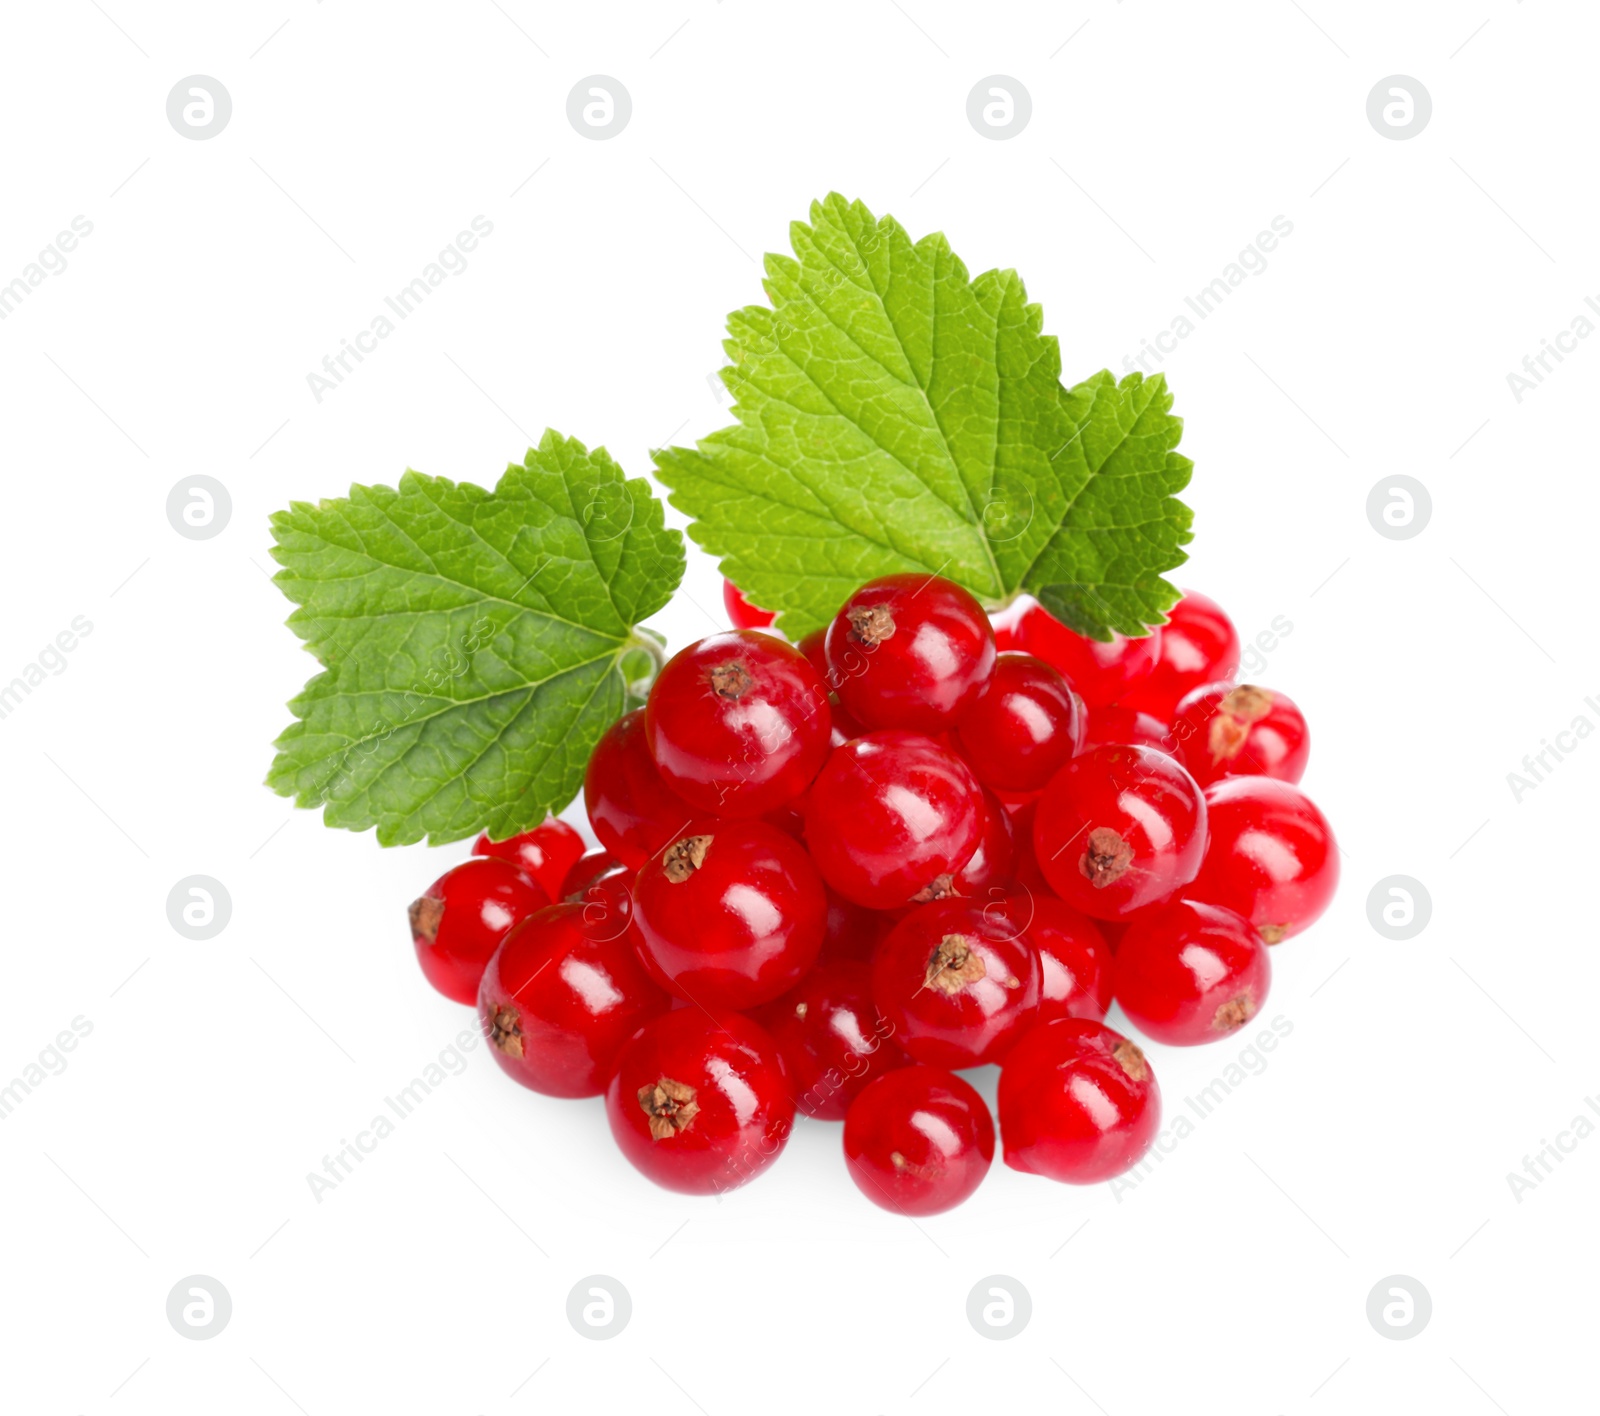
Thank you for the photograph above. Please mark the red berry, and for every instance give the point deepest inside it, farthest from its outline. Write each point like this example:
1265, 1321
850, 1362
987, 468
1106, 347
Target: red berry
546, 853
833, 1038
741, 613
738, 723
1115, 725
700, 1104
812, 646
1191, 973
461, 918
852, 931
990, 864
1246, 731
1199, 645
559, 999
1101, 672
909, 651
731, 914
605, 890
959, 982
1119, 828
1022, 727
918, 1141
1074, 958
891, 818
1078, 1102
1272, 856
633, 812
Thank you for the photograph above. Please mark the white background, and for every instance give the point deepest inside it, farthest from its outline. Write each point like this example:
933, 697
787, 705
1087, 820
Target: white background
1163, 138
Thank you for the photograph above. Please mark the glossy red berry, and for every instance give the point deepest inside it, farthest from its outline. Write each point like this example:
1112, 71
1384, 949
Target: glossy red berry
584, 871
1244, 731
909, 651
833, 1037
559, 999
1078, 1102
546, 853
1074, 958
738, 723
1199, 645
1119, 828
741, 613
1101, 672
1191, 973
1115, 725
633, 812
459, 921
700, 1104
989, 867
1272, 856
605, 891
1022, 727
891, 818
959, 981
918, 1141
731, 914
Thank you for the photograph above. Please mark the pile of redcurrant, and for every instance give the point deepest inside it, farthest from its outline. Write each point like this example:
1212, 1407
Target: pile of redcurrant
833, 875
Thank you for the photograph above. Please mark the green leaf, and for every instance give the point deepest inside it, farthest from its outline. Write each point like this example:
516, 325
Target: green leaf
895, 415
475, 644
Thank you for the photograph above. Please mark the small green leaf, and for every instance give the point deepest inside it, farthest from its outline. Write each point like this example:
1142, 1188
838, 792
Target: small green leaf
895, 415
475, 644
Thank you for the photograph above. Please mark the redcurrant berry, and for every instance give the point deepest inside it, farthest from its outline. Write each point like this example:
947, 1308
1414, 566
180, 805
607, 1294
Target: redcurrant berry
1199, 645
1272, 856
731, 914
1191, 973
1078, 1102
960, 983
1246, 731
700, 1104
738, 723
1119, 828
546, 853
460, 919
633, 812
1022, 727
918, 1141
833, 1038
1115, 725
891, 818
1101, 672
605, 890
909, 651
559, 1000
1074, 958
990, 865
741, 613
